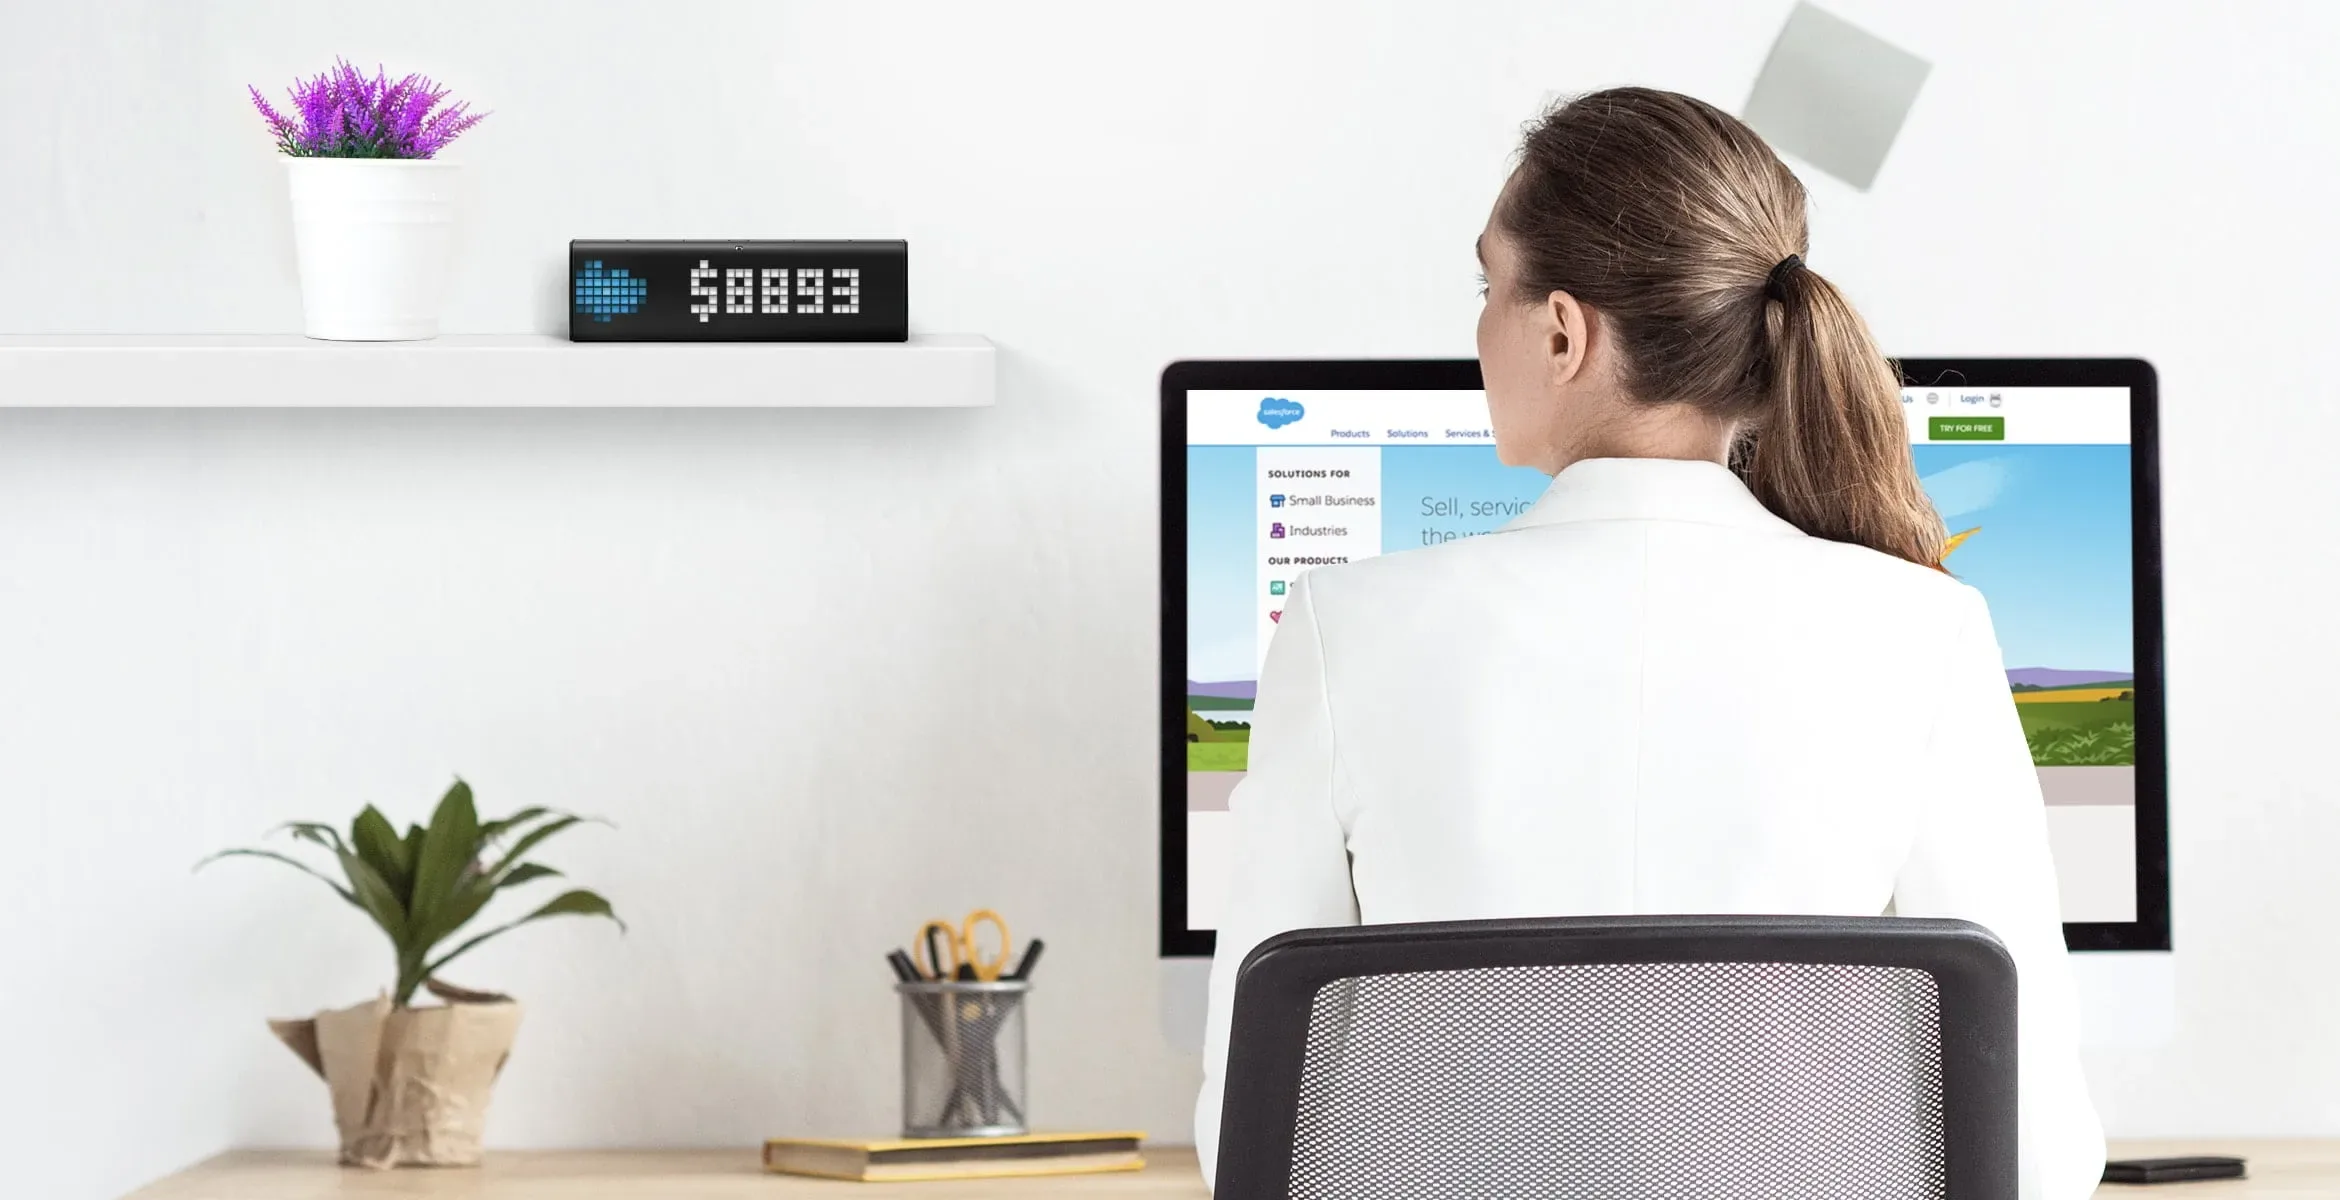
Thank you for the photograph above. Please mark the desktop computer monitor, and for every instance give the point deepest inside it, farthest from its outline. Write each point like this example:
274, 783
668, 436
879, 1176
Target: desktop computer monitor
2043, 470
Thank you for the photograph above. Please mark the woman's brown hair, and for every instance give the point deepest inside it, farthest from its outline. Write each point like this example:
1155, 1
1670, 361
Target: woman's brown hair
1677, 225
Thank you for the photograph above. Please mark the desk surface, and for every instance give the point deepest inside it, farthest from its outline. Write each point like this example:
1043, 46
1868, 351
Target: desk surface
2285, 1170
632, 1175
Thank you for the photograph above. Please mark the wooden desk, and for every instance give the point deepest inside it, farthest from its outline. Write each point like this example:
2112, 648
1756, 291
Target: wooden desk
2288, 1170
1170, 1174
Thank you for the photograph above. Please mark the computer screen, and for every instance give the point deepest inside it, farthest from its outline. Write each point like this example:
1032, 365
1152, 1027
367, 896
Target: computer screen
2037, 470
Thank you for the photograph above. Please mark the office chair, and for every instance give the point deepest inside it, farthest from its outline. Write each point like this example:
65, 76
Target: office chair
1624, 1058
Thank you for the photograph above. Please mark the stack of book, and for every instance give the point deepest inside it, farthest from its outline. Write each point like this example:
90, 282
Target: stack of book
908, 1159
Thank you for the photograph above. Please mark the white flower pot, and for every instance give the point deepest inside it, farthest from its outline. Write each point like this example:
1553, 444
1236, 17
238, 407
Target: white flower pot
376, 239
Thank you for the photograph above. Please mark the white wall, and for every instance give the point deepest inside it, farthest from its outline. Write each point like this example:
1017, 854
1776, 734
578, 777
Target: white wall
832, 673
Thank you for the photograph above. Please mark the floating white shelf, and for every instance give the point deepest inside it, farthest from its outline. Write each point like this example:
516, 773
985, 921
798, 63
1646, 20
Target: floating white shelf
522, 371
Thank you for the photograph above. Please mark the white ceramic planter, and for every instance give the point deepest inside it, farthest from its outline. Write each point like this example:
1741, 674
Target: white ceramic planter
376, 239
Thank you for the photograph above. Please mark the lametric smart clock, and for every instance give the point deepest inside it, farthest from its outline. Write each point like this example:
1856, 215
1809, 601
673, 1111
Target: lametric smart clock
744, 291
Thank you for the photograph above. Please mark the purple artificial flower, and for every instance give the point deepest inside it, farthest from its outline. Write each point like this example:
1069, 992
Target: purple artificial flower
344, 114
278, 124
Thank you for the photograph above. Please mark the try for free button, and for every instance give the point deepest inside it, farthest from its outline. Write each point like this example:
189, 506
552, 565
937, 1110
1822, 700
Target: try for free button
1966, 429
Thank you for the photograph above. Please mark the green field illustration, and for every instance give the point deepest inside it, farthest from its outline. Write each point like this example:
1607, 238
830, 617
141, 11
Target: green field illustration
1217, 745
2080, 726
1218, 756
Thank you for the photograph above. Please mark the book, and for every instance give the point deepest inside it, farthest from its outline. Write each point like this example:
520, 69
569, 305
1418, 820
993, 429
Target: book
911, 1159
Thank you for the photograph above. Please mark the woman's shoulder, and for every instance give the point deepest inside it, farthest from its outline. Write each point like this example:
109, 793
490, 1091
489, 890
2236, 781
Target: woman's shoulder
1925, 589
1835, 573
1592, 547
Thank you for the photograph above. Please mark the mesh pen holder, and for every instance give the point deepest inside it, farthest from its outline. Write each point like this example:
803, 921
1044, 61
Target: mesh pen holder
963, 1059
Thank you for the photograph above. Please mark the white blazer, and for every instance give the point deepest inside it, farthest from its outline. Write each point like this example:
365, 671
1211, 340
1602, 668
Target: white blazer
1650, 695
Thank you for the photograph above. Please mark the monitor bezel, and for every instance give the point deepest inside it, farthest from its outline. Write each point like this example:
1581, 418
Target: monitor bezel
2151, 929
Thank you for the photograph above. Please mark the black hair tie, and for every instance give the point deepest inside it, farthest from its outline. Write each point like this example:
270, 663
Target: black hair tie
1775, 284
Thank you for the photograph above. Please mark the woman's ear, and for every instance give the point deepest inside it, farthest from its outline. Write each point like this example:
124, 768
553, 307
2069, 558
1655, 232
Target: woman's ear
1567, 337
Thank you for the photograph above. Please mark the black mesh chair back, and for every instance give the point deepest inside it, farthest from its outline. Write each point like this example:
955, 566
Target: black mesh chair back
1624, 1058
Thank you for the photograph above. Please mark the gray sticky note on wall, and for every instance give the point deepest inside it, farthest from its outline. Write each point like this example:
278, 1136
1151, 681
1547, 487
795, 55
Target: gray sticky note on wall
1834, 94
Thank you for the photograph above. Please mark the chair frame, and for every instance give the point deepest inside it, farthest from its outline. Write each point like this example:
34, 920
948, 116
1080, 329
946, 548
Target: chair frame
1277, 986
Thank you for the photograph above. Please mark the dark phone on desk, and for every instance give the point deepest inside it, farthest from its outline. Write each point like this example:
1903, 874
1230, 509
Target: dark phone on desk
2172, 1170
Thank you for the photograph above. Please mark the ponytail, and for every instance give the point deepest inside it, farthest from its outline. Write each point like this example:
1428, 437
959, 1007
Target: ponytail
1670, 218
1830, 453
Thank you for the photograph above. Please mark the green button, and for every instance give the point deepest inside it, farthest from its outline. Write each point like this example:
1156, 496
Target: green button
1966, 429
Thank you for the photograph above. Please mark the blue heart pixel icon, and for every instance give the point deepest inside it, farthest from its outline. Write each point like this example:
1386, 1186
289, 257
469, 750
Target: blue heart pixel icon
604, 292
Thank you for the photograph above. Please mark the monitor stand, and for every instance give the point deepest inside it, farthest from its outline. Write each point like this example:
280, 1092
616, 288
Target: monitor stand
1185, 998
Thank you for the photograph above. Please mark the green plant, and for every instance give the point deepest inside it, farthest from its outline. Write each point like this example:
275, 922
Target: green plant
423, 888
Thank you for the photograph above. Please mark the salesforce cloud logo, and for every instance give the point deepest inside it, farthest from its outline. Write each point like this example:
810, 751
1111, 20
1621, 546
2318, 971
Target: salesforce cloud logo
1276, 412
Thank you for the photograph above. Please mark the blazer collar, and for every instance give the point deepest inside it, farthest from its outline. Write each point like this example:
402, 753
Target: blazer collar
1650, 489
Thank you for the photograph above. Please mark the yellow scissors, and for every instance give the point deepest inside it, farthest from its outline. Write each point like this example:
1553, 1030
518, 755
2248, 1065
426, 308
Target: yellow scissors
945, 951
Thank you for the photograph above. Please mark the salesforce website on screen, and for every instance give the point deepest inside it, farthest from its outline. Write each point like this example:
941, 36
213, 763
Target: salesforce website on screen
2034, 483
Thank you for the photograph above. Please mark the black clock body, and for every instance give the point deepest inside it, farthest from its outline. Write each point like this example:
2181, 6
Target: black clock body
739, 291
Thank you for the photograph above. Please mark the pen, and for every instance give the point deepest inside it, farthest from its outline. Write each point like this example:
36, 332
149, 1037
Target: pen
930, 1010
934, 953
1030, 959
990, 1066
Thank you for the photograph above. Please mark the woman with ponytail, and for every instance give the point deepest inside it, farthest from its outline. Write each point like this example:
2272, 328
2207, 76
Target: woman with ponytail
1716, 669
